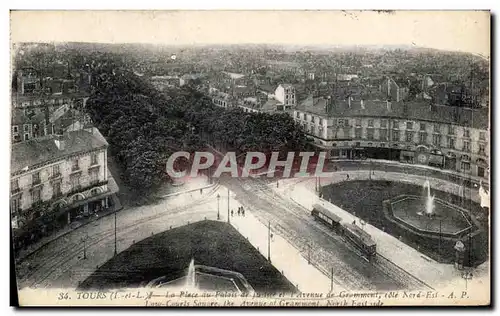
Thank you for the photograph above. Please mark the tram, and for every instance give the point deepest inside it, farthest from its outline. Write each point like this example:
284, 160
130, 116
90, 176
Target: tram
351, 232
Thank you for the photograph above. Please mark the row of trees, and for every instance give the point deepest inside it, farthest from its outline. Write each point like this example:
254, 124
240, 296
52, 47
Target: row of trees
144, 127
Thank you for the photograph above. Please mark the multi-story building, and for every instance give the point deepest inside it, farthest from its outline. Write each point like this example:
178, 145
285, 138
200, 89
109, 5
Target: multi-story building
285, 94
448, 137
395, 90
36, 107
57, 178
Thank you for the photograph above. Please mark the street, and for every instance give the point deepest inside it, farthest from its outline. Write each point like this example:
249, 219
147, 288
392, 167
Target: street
328, 250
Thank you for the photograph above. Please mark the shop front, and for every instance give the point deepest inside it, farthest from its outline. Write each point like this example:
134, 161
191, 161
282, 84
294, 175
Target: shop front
436, 159
450, 161
407, 156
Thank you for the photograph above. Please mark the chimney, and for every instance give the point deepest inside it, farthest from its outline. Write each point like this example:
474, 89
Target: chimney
60, 143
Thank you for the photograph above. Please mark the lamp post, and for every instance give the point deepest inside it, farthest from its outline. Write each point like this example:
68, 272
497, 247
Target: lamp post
218, 204
84, 240
115, 234
269, 240
228, 217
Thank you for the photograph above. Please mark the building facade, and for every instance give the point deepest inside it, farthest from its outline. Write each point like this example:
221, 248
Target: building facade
285, 94
56, 179
393, 131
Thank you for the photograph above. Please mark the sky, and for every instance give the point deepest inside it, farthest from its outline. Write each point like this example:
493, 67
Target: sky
467, 31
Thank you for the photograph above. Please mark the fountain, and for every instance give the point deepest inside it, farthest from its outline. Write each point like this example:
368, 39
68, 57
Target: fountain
429, 202
191, 276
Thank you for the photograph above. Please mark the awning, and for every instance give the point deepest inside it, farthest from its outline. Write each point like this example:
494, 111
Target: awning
408, 153
481, 162
451, 155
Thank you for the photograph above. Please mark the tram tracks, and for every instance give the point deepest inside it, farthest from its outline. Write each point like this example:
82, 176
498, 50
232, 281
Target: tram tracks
70, 250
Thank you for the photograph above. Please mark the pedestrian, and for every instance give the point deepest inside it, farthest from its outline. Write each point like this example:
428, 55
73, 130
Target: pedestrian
232, 213
242, 211
354, 222
347, 175
272, 236
239, 211
201, 191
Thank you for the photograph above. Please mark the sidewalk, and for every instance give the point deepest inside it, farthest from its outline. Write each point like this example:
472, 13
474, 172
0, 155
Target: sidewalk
423, 268
33, 248
284, 257
457, 174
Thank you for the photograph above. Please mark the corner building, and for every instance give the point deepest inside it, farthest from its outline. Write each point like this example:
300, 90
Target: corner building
453, 138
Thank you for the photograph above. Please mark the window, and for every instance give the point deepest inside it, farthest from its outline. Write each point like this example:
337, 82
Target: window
75, 165
35, 195
383, 134
340, 122
15, 129
56, 171
451, 130
369, 134
383, 123
409, 125
298, 115
75, 181
482, 135
422, 126
436, 140
320, 121
466, 146
395, 124
15, 204
370, 123
358, 122
94, 159
14, 185
436, 128
451, 142
36, 178
395, 136
465, 165
466, 133
94, 176
26, 128
382, 144
56, 189
357, 134
482, 149
409, 136
423, 138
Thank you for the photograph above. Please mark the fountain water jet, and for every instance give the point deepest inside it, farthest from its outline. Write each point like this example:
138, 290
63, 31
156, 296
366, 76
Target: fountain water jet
429, 202
191, 276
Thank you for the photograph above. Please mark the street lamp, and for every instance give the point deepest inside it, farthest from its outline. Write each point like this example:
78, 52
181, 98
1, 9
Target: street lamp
228, 217
115, 233
269, 241
84, 240
218, 204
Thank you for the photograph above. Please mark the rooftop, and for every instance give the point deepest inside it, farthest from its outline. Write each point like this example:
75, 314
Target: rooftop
416, 110
39, 151
234, 75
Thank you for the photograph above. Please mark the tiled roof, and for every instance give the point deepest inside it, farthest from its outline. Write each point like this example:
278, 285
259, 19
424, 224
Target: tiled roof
38, 151
267, 88
416, 110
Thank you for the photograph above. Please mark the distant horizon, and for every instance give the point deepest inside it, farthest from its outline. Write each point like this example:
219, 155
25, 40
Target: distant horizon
284, 46
453, 31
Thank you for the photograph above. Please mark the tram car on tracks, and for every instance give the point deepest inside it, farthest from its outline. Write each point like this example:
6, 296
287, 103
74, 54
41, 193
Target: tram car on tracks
351, 232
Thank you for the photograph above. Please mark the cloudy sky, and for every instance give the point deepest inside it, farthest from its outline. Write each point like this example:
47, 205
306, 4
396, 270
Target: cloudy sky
467, 31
